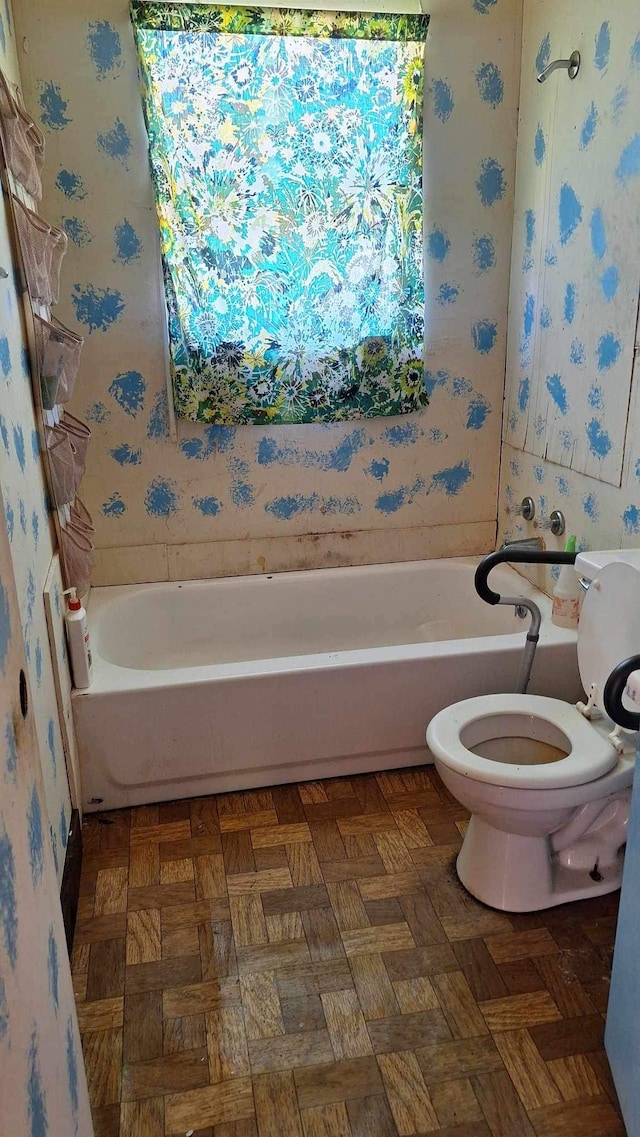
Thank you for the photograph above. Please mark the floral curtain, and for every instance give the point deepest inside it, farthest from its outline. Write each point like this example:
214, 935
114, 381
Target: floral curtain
286, 151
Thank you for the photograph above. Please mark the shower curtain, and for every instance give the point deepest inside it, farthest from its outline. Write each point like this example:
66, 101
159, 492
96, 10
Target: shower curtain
286, 153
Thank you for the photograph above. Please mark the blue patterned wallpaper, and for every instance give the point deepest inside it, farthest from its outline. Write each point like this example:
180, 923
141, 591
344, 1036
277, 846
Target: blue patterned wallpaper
572, 422
42, 1083
28, 519
250, 499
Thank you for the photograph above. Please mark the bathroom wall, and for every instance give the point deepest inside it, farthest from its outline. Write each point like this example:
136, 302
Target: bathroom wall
43, 1090
220, 500
27, 513
572, 416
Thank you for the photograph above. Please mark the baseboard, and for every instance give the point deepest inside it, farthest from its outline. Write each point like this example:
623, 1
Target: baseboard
70, 891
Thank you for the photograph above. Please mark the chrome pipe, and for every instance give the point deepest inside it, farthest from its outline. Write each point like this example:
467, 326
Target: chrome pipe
523, 543
572, 65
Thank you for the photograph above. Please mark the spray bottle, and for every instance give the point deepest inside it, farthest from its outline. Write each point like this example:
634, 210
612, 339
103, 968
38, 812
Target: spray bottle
567, 593
78, 640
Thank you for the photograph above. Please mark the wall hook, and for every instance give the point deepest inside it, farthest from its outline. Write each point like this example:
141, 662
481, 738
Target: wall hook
572, 65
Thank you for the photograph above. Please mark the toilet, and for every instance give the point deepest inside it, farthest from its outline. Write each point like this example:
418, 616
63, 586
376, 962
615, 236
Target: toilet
548, 784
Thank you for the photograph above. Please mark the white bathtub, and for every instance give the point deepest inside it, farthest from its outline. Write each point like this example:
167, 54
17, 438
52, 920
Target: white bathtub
208, 686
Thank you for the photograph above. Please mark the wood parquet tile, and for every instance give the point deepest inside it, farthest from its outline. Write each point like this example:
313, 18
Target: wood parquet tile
303, 962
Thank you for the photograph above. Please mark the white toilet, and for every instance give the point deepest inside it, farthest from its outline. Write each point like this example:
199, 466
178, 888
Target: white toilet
547, 783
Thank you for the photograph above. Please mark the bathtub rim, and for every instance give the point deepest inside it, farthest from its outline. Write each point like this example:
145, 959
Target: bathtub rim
111, 677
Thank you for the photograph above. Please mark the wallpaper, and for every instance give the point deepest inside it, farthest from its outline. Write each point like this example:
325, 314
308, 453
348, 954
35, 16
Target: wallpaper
27, 515
572, 419
42, 1083
250, 499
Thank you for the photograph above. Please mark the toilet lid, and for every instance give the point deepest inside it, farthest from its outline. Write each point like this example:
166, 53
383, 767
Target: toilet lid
609, 628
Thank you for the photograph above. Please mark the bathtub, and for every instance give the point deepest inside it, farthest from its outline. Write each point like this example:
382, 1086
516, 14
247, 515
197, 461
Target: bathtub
207, 686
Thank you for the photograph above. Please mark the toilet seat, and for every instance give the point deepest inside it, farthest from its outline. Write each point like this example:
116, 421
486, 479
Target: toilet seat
609, 631
591, 755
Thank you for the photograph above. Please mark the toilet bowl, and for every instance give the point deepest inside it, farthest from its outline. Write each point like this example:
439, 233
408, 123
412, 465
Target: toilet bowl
547, 783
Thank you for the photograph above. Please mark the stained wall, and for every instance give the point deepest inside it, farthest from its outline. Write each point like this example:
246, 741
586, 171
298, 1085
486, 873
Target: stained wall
572, 417
214, 499
43, 1091
27, 511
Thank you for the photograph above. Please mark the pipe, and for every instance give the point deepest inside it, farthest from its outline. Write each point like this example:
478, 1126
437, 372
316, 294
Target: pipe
526, 664
572, 65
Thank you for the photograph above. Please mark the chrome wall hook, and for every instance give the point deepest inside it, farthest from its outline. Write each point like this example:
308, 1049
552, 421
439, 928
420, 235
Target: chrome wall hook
572, 65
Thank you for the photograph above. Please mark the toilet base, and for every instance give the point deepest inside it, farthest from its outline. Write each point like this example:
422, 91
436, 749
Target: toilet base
515, 873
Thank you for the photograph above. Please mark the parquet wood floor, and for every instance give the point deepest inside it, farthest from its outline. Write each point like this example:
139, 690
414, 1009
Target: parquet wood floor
303, 962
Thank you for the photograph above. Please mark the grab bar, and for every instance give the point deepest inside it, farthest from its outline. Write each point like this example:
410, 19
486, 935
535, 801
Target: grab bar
514, 555
525, 555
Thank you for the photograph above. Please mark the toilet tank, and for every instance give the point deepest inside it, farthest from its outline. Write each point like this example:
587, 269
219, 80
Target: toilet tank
589, 563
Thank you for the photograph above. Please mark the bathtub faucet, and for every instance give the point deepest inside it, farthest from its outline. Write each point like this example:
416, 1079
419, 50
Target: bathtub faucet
523, 543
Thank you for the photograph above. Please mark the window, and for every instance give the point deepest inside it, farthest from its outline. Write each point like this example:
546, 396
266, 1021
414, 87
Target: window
286, 152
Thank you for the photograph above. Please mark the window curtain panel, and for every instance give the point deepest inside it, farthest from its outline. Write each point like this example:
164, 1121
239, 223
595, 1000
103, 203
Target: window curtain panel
286, 154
